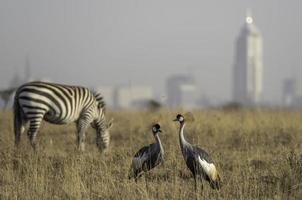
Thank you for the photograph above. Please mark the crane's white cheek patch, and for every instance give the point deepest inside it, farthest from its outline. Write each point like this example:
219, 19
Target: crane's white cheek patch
154, 129
209, 168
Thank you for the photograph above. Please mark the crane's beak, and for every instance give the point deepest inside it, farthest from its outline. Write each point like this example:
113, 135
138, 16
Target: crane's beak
175, 120
159, 130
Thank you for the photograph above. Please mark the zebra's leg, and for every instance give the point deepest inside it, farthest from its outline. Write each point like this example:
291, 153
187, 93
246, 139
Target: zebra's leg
34, 125
81, 129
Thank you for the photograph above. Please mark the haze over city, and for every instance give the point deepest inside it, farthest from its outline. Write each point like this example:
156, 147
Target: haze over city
111, 43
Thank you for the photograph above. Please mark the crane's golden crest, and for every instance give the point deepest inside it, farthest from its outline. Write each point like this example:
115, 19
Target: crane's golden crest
189, 117
155, 120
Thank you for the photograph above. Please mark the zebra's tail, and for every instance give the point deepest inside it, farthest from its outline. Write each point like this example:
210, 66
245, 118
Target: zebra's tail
18, 121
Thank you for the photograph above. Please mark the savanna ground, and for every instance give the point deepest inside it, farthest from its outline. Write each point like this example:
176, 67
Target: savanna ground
258, 155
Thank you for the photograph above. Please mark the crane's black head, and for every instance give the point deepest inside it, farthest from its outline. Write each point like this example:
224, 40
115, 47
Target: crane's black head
179, 118
156, 128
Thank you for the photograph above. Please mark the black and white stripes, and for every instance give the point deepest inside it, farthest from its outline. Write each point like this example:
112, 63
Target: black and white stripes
60, 104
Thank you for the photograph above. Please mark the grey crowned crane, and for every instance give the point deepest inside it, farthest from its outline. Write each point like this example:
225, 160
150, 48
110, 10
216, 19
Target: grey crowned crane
147, 157
198, 160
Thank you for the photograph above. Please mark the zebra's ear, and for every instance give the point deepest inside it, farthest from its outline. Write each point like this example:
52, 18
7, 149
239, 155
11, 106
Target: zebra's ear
100, 100
110, 123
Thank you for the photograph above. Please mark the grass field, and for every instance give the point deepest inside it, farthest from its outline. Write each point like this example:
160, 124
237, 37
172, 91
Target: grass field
258, 155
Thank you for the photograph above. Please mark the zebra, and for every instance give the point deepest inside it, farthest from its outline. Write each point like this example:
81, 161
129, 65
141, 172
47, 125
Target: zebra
60, 104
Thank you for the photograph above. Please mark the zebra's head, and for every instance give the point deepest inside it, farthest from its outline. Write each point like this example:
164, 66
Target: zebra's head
100, 124
103, 138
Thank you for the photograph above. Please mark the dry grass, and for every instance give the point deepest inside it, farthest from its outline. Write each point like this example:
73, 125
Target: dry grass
258, 154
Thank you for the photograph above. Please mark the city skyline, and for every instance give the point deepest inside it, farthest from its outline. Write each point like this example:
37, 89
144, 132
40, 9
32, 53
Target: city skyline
101, 43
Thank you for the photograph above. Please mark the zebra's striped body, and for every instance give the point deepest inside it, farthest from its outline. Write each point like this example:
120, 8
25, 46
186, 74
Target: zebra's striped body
59, 104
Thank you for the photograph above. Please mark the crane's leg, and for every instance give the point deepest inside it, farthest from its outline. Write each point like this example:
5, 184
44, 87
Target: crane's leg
135, 179
201, 185
137, 174
195, 183
199, 179
196, 187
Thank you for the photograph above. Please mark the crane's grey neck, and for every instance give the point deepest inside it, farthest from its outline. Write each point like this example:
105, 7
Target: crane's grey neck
182, 139
159, 143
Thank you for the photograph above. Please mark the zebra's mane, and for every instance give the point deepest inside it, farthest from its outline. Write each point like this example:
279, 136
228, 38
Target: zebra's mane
99, 98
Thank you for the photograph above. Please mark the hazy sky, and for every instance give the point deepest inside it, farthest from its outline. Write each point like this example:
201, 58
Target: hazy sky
133, 42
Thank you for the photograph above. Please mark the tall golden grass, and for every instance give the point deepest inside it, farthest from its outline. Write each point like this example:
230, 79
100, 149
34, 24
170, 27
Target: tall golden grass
258, 154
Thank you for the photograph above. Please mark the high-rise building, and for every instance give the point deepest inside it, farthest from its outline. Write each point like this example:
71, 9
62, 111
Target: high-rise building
134, 96
289, 93
248, 67
181, 91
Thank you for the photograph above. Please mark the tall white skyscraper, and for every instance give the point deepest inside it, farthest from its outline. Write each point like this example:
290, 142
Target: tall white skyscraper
248, 67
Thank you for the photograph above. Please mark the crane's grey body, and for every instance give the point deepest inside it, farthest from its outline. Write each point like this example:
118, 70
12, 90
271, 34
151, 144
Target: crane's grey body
147, 158
197, 160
